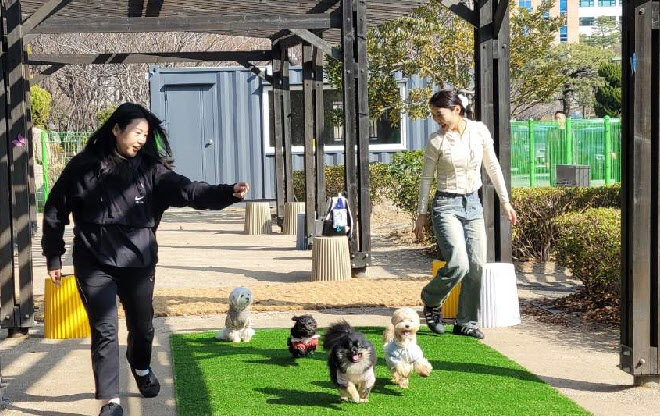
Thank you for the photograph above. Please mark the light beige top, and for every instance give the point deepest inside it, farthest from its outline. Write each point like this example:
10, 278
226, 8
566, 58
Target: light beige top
456, 160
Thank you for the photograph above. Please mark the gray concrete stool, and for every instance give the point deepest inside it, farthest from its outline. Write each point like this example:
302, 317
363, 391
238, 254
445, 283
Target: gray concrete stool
301, 240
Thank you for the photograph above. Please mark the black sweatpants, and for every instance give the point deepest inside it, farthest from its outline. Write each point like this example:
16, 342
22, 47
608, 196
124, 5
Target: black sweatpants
99, 286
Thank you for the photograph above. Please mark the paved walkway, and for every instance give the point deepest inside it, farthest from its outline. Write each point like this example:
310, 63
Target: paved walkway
53, 377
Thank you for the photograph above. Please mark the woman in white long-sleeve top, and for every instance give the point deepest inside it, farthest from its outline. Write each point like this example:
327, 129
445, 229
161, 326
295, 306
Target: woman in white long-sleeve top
454, 155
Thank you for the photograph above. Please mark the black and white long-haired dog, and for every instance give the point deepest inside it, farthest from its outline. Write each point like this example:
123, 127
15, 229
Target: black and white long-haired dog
351, 359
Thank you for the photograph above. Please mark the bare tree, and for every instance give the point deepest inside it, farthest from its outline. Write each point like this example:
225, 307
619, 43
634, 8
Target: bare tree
80, 92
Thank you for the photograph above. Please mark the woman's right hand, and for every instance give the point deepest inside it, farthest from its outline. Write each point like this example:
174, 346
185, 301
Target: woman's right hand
420, 226
56, 276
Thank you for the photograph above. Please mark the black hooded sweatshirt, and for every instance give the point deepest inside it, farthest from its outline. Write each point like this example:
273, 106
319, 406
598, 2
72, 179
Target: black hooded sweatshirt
116, 212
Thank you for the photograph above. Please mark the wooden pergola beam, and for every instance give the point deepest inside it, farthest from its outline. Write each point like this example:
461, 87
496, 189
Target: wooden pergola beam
46, 73
322, 7
256, 71
462, 10
318, 42
187, 23
148, 58
499, 15
52, 6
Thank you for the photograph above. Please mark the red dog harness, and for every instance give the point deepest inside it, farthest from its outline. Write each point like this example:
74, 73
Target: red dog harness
305, 344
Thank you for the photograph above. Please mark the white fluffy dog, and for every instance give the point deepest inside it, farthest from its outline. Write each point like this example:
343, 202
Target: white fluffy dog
238, 325
402, 353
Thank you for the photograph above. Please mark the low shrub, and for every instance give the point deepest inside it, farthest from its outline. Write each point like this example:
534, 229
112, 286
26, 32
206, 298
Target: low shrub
40, 105
589, 244
535, 233
404, 172
334, 182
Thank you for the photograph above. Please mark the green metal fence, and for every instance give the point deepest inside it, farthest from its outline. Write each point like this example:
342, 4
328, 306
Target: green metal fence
57, 148
537, 147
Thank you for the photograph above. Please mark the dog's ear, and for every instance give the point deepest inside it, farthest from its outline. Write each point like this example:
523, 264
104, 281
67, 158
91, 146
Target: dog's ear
295, 318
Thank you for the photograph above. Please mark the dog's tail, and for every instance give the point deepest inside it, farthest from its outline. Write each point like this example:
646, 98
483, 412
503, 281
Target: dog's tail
336, 332
388, 334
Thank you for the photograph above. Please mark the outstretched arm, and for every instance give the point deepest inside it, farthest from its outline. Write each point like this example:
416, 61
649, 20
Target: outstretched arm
174, 190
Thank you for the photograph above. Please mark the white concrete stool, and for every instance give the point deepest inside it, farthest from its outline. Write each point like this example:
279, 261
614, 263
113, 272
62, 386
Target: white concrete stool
331, 259
291, 211
257, 218
499, 296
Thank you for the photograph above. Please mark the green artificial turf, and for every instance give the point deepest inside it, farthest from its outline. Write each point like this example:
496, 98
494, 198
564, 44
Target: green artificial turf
261, 378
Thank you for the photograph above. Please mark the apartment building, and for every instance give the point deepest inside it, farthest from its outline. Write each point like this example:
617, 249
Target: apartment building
569, 8
580, 15
590, 10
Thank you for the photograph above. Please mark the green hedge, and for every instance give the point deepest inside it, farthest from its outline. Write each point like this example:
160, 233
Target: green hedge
589, 243
404, 172
334, 182
40, 104
535, 233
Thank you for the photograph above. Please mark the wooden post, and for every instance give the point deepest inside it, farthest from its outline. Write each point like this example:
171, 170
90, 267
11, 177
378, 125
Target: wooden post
362, 258
356, 128
310, 165
640, 154
493, 109
350, 114
11, 11
6, 238
319, 127
286, 127
28, 129
276, 108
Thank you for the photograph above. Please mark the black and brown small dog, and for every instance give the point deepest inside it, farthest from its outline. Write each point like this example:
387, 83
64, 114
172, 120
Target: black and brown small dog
303, 340
351, 359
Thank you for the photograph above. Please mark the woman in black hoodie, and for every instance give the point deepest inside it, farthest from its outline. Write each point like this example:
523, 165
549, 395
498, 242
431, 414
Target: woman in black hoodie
117, 189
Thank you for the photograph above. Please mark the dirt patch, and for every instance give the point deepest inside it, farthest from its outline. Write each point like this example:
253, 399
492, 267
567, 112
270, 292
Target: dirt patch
572, 310
287, 296
294, 296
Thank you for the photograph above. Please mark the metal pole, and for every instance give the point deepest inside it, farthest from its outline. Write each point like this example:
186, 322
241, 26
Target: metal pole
44, 163
532, 154
608, 150
569, 142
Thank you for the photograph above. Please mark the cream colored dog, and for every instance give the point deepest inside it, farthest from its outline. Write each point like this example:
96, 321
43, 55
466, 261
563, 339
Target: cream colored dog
402, 353
238, 324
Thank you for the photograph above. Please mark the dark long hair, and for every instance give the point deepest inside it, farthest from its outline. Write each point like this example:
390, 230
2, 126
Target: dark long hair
448, 99
102, 144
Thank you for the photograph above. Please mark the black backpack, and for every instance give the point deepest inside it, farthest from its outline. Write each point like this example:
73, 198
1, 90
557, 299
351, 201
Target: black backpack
338, 219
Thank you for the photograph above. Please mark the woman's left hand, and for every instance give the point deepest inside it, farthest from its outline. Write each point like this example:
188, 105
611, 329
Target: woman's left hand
241, 189
510, 213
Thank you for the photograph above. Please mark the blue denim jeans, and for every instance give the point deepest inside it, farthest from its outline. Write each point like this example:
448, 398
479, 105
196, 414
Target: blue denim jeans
458, 224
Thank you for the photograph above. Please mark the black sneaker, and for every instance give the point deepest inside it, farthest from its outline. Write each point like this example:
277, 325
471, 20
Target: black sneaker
148, 385
111, 409
468, 331
433, 316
